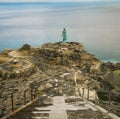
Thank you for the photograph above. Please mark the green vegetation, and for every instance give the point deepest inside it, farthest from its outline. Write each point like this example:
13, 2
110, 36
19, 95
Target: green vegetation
25, 47
102, 95
116, 80
4, 59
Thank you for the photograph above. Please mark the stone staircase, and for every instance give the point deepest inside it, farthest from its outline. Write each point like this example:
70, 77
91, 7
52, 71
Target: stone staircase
62, 108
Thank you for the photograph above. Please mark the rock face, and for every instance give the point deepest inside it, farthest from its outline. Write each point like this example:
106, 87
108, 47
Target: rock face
109, 65
17, 67
25, 47
51, 68
69, 54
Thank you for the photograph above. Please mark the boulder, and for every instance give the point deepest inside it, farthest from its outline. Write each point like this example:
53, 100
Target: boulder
25, 47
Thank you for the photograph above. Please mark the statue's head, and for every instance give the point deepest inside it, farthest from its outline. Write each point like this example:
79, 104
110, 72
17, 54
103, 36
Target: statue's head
64, 29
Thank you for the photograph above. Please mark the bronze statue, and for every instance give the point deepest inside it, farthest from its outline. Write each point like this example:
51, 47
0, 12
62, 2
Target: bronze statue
64, 35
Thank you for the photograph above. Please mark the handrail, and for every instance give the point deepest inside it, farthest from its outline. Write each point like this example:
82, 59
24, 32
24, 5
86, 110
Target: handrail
96, 100
25, 97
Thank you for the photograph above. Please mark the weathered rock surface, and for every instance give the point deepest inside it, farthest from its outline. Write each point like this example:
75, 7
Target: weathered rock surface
68, 54
47, 68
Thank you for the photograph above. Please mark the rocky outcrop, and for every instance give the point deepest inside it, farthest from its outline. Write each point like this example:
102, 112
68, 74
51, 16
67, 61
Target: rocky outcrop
17, 67
25, 47
110, 66
69, 54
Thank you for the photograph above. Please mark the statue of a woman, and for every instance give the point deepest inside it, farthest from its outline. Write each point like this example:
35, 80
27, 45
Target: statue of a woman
64, 35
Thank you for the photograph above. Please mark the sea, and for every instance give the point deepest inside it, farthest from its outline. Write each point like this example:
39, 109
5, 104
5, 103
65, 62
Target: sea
94, 24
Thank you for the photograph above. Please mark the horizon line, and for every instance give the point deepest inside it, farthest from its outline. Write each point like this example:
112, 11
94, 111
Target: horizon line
59, 1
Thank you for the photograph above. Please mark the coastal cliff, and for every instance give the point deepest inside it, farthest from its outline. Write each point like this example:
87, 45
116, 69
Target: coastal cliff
24, 68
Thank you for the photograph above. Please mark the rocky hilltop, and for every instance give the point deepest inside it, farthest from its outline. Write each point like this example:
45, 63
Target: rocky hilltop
52, 68
68, 54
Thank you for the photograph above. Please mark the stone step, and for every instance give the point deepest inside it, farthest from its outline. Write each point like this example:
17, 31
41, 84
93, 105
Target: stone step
39, 112
40, 117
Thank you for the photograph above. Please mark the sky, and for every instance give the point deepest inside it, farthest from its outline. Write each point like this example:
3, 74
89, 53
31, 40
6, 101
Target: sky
96, 25
55, 0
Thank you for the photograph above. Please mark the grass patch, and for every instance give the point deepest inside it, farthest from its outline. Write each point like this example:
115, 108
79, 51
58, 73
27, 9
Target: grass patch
4, 59
116, 80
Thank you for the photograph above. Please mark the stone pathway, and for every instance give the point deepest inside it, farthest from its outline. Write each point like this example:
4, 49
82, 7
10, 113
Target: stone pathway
59, 108
56, 111
73, 108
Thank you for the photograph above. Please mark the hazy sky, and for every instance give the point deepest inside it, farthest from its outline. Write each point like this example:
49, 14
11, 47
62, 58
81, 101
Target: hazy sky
96, 25
54, 0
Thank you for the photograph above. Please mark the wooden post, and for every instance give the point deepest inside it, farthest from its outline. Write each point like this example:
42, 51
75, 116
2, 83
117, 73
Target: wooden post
79, 91
83, 92
109, 99
12, 102
95, 96
31, 94
24, 97
88, 93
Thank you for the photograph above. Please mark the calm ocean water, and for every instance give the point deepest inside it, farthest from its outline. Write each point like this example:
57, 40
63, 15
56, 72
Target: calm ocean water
95, 24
